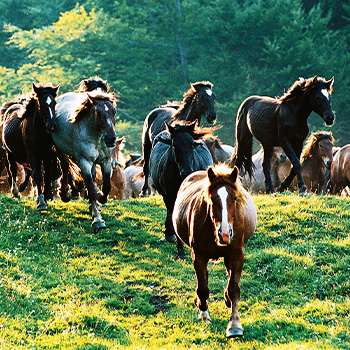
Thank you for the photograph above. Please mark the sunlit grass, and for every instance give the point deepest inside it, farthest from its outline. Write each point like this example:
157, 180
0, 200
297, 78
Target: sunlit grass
64, 286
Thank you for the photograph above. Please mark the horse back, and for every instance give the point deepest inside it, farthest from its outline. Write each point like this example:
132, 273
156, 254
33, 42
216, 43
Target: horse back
154, 122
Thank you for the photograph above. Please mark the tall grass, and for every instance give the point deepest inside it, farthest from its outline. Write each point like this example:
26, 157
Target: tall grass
64, 286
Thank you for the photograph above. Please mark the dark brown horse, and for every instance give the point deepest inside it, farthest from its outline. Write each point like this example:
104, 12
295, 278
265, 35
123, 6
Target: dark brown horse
198, 101
281, 122
27, 126
340, 171
214, 215
316, 159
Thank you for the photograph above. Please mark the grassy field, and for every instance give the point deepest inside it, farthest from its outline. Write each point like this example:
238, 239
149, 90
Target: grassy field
62, 286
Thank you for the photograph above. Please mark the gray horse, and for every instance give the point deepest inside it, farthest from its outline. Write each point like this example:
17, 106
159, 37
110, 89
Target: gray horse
85, 134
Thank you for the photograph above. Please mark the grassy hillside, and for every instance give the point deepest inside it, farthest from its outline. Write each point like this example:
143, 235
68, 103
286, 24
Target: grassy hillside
62, 286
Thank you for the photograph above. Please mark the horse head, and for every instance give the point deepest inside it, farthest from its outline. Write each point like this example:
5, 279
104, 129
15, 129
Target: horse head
115, 152
223, 196
45, 96
205, 99
324, 147
320, 98
183, 144
104, 116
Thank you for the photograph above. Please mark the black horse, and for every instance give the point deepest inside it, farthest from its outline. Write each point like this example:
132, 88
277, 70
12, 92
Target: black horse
177, 152
198, 101
281, 122
26, 138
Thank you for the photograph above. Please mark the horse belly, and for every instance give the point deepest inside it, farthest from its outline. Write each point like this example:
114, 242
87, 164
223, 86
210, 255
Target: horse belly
263, 126
250, 219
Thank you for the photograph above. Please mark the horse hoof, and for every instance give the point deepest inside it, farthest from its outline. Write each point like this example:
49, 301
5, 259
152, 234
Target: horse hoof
98, 225
143, 195
171, 238
41, 204
204, 315
234, 332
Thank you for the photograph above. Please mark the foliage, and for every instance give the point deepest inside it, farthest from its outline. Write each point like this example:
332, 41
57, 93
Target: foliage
149, 51
65, 286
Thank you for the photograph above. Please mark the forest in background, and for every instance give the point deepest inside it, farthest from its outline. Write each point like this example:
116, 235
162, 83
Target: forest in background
149, 51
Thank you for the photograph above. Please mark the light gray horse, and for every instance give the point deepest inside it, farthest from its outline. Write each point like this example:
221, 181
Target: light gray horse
85, 133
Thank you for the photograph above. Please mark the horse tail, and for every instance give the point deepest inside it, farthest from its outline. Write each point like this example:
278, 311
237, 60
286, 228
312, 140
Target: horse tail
242, 155
75, 172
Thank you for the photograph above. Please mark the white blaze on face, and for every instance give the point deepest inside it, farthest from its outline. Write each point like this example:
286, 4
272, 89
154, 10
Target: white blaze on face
325, 93
209, 92
99, 89
223, 195
106, 108
48, 101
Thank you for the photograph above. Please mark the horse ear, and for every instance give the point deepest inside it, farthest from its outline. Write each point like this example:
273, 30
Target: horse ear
35, 88
234, 174
56, 88
120, 140
169, 127
211, 174
330, 84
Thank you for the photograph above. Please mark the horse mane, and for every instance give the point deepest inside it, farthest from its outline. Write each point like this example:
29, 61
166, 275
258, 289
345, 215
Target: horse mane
301, 86
312, 140
223, 172
188, 97
199, 132
82, 110
93, 83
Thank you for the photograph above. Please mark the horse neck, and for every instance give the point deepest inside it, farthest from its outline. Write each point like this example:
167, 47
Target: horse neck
190, 112
313, 162
302, 107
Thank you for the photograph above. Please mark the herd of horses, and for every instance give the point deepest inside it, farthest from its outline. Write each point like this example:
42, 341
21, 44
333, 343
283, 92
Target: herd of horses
206, 186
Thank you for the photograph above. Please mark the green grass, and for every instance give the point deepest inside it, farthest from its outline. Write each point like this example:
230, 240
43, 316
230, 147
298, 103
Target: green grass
63, 286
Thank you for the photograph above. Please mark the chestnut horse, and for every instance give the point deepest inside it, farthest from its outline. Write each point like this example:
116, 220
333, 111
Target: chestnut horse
316, 159
214, 215
340, 171
281, 122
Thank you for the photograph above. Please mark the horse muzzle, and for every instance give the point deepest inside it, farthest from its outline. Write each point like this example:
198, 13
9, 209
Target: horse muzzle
110, 140
211, 117
225, 235
329, 119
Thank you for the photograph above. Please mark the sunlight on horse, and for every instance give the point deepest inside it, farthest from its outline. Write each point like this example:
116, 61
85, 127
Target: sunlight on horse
214, 215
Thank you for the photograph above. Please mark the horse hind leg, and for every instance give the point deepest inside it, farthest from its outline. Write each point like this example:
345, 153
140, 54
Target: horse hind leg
12, 172
146, 155
268, 152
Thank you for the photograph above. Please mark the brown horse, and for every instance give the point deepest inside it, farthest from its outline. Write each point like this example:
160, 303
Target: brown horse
214, 215
256, 183
316, 159
340, 171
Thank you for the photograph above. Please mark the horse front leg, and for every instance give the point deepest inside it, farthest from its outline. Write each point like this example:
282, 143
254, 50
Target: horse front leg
86, 168
294, 157
234, 264
106, 169
268, 152
202, 290
38, 180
